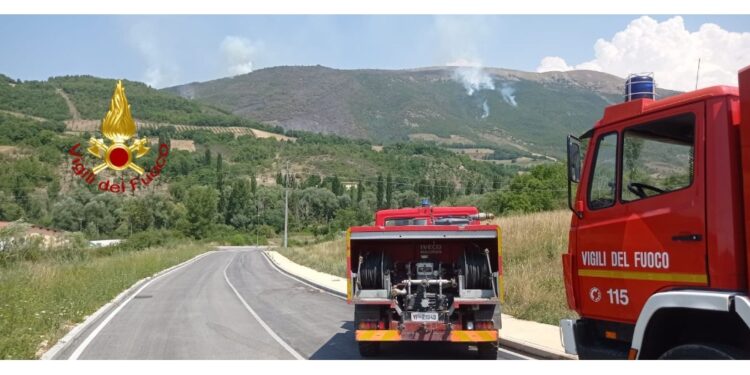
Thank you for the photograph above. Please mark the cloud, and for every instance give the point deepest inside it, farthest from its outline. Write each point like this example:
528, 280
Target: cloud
670, 51
239, 54
160, 71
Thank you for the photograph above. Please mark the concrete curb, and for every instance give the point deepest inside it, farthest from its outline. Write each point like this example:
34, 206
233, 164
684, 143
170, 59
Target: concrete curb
513, 343
74, 333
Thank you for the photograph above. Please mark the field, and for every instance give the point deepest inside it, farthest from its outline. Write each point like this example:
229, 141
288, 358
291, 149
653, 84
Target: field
532, 245
41, 300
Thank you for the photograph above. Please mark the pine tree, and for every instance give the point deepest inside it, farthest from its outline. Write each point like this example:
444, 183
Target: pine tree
207, 157
220, 184
379, 194
360, 190
389, 191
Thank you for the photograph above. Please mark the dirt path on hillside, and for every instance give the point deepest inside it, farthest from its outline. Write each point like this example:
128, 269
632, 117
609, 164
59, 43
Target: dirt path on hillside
71, 107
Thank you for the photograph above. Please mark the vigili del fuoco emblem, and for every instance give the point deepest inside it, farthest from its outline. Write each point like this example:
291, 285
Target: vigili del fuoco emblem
117, 153
118, 126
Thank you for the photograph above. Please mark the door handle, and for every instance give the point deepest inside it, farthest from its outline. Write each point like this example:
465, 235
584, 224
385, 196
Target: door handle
687, 237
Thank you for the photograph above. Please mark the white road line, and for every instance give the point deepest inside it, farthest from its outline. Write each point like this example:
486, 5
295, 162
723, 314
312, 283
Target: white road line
279, 270
255, 315
516, 354
79, 350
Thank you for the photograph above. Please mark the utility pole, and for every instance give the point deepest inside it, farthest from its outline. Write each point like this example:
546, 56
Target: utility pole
286, 204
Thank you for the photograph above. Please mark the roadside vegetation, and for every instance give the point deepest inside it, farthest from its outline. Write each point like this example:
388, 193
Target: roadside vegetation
45, 291
532, 248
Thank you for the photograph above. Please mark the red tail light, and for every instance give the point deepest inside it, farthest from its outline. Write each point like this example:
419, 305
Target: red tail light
483, 325
371, 325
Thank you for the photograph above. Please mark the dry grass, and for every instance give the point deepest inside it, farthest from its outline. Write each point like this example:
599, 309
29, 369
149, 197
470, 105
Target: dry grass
41, 301
532, 246
328, 257
532, 265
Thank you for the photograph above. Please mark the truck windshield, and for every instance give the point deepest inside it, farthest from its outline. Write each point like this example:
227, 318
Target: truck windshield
658, 157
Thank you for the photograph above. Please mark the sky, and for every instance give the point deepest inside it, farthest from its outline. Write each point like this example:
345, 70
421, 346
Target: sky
170, 50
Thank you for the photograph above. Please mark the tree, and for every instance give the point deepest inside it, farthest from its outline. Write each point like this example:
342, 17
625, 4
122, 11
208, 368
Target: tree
201, 210
220, 184
360, 190
238, 204
389, 191
380, 192
407, 198
253, 183
207, 157
311, 181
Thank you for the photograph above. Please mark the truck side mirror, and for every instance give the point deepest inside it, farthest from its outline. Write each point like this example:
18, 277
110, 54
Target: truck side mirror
574, 159
574, 170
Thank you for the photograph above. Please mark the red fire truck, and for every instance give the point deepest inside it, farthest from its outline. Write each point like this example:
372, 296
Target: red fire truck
658, 258
426, 274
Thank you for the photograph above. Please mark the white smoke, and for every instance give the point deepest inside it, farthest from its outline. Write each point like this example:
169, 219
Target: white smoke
485, 110
160, 70
472, 76
508, 92
239, 54
670, 51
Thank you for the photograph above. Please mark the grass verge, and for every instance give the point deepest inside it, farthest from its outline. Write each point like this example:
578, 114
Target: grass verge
532, 245
43, 299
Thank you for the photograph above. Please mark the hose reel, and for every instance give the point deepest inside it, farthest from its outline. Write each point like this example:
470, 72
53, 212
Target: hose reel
476, 270
373, 269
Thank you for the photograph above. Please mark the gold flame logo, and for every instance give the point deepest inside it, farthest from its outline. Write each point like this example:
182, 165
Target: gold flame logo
118, 126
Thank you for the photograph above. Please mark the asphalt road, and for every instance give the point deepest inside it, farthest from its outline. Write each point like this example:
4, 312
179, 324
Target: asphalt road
233, 304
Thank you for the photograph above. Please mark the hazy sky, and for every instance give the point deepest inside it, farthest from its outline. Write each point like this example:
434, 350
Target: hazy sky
170, 50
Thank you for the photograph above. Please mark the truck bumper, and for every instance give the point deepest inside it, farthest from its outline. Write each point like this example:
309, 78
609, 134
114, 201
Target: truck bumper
444, 336
567, 336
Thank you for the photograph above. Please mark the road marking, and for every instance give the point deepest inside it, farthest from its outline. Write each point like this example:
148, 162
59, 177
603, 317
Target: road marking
79, 350
255, 315
279, 270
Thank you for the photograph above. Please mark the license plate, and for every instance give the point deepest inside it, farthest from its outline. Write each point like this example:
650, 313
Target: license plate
424, 317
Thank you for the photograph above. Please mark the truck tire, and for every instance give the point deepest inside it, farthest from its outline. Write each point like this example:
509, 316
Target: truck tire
704, 351
369, 349
487, 350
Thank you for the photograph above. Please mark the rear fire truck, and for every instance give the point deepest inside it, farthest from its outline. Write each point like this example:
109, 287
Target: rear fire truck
426, 274
657, 263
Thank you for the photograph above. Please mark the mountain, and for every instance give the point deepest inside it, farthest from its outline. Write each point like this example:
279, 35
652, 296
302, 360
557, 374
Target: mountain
85, 100
512, 110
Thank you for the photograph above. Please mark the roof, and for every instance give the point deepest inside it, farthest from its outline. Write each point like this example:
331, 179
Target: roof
626, 110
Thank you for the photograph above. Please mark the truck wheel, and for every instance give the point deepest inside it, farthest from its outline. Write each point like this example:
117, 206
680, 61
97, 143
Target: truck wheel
369, 348
487, 350
704, 351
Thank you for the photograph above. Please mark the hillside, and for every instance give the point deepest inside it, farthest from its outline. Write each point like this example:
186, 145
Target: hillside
81, 101
525, 112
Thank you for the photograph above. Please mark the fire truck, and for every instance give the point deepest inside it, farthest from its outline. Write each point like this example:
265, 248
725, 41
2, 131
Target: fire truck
426, 274
658, 257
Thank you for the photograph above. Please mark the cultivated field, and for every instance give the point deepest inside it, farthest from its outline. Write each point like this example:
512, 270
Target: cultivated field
532, 245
